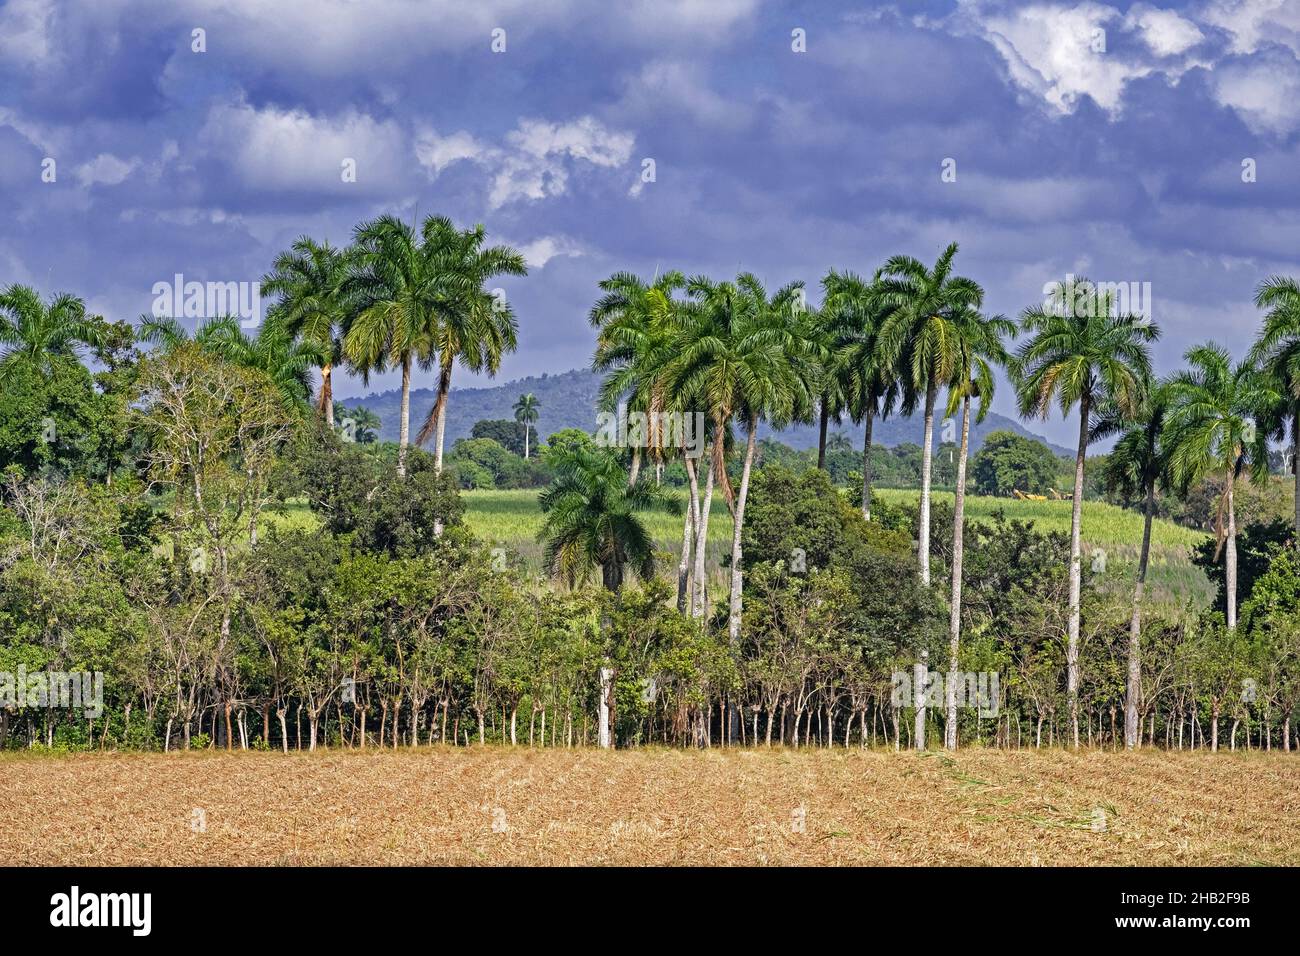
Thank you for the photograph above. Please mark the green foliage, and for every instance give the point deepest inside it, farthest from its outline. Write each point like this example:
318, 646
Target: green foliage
504, 432
1009, 461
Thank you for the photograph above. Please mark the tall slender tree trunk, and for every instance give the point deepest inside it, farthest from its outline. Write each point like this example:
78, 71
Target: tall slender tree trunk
604, 733
866, 462
1076, 571
526, 431
1230, 555
1132, 730
327, 393
1295, 468
404, 428
635, 471
927, 457
954, 611
921, 677
823, 421
440, 414
737, 579
701, 540
688, 525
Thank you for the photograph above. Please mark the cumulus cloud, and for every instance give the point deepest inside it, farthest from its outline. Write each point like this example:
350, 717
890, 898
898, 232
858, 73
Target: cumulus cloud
542, 250
273, 148
536, 158
1163, 31
105, 169
1265, 91
25, 31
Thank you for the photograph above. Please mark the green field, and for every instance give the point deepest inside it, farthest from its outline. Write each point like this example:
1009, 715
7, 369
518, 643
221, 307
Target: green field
511, 519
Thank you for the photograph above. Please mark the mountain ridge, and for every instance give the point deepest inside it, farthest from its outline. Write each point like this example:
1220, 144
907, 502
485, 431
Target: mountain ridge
568, 400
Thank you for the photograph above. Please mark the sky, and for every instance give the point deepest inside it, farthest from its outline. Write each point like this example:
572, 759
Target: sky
1128, 142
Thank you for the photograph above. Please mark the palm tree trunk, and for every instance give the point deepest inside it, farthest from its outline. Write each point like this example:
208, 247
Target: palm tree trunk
1076, 572
692, 519
404, 431
526, 430
866, 463
701, 538
1230, 556
635, 471
440, 411
1295, 468
1132, 732
954, 613
327, 393
737, 579
821, 434
927, 456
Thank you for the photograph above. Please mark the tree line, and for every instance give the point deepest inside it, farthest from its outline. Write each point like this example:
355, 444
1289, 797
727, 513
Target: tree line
189, 518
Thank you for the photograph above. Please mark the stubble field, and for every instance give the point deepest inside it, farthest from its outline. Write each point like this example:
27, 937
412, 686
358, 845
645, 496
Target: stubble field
501, 806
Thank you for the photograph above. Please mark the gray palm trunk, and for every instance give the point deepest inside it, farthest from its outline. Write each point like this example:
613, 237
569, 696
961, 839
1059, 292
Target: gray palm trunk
1230, 556
1076, 572
688, 525
866, 465
1132, 732
927, 457
526, 430
737, 579
701, 539
404, 429
954, 612
440, 415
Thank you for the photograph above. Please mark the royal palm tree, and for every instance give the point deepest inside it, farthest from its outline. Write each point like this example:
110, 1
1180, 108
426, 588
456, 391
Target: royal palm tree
919, 339
870, 383
636, 323
308, 279
980, 350
592, 524
827, 331
1079, 353
739, 353
34, 332
395, 306
1211, 427
1277, 349
1135, 468
473, 326
526, 414
365, 424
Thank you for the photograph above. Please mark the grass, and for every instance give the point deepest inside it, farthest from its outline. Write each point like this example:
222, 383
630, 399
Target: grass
512, 519
496, 805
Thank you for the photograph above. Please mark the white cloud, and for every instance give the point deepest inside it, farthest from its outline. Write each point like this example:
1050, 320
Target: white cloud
272, 148
105, 169
1252, 23
1049, 51
1265, 91
545, 248
438, 152
682, 88
1163, 31
25, 31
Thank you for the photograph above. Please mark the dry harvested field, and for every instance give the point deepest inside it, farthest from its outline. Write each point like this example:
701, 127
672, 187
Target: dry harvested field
650, 807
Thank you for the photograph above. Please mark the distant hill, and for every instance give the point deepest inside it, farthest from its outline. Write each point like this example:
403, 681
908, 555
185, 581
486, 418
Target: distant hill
568, 400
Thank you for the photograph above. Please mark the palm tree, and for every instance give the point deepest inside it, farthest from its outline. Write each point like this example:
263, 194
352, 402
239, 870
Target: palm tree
526, 414
919, 339
592, 523
870, 384
1277, 349
827, 331
636, 322
1080, 354
738, 353
472, 326
981, 349
394, 309
309, 280
365, 423
1135, 467
34, 332
1213, 408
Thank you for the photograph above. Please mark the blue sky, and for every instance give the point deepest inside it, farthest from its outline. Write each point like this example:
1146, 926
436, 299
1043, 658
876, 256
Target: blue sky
1124, 163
